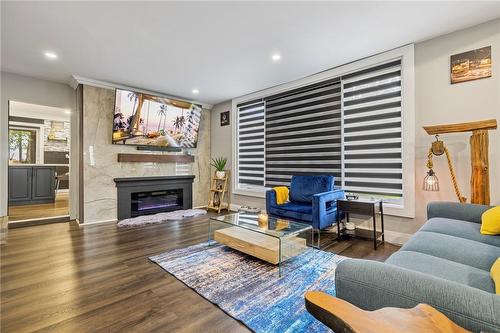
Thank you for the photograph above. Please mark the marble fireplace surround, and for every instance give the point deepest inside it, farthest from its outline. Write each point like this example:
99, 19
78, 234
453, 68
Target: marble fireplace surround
101, 164
126, 186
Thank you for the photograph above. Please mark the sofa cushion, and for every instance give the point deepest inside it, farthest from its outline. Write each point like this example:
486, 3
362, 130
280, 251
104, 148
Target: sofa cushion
461, 250
302, 188
293, 210
458, 228
443, 268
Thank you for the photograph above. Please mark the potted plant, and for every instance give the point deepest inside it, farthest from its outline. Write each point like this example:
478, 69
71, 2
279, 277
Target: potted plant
219, 163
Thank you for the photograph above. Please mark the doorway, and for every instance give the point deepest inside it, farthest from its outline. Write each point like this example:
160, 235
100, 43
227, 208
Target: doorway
38, 169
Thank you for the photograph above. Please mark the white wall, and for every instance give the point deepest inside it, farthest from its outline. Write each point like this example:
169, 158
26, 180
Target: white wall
221, 139
437, 102
29, 90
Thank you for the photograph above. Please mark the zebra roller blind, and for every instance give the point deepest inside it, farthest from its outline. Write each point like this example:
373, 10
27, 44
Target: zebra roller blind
372, 160
251, 143
303, 133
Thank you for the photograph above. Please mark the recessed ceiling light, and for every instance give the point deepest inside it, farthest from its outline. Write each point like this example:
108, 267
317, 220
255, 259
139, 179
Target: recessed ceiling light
276, 57
50, 55
67, 112
195, 91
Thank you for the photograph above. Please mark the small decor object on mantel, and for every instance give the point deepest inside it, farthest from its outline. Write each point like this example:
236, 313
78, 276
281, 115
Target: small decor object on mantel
470, 65
219, 163
224, 118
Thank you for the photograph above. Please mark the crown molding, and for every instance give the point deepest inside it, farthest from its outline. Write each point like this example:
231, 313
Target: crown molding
77, 80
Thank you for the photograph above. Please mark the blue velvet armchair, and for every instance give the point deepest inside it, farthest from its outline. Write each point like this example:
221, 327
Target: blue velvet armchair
313, 200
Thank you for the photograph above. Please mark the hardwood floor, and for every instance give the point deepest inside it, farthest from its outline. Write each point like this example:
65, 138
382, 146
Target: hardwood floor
59, 208
65, 278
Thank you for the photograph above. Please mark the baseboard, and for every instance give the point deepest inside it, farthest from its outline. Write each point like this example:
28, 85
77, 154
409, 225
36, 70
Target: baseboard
38, 221
96, 222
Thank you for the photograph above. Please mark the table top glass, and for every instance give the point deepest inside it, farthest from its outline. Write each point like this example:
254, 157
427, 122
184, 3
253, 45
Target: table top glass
272, 226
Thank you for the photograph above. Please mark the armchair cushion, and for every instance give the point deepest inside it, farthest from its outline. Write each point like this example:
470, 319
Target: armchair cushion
293, 210
302, 188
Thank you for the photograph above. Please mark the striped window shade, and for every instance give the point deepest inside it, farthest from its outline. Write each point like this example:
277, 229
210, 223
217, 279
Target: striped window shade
250, 135
303, 134
372, 161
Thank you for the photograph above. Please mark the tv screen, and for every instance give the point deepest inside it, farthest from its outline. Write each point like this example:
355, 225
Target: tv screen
147, 120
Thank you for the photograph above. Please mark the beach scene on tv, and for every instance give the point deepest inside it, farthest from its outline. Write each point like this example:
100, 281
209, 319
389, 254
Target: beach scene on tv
147, 120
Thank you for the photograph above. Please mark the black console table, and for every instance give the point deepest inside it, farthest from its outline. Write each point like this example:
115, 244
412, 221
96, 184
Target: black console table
361, 207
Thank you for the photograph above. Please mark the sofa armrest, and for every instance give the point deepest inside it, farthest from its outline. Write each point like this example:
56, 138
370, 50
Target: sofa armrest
456, 211
270, 199
325, 197
372, 285
321, 218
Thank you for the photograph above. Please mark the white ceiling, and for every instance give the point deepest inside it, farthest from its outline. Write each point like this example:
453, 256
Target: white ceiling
27, 110
221, 48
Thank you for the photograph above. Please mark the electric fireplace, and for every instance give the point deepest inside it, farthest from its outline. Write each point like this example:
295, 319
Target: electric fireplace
150, 195
152, 202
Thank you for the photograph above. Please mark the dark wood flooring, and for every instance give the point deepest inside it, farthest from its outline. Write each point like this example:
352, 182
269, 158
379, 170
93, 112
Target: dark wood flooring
65, 278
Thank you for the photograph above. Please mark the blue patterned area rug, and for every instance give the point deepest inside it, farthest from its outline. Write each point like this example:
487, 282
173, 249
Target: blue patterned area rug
250, 290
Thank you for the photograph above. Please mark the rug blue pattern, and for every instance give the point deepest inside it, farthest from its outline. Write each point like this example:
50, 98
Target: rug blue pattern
250, 290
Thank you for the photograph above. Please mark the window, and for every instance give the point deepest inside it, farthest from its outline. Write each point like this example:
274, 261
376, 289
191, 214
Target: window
251, 145
347, 122
302, 133
22, 145
372, 157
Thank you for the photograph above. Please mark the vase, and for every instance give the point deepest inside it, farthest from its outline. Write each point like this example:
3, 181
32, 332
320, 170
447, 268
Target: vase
216, 200
220, 174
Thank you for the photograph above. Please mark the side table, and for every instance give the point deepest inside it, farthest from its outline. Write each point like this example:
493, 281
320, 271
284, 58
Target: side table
362, 207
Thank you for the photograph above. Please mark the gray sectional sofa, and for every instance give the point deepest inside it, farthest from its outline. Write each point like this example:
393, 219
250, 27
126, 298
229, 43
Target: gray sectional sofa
445, 264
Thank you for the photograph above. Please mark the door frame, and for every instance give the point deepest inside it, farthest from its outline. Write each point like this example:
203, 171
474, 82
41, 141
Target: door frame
75, 162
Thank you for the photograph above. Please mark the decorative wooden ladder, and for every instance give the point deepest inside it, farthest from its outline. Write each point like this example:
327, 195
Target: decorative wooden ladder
219, 186
480, 178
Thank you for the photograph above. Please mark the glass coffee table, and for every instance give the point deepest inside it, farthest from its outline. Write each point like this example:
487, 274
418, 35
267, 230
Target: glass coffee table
268, 238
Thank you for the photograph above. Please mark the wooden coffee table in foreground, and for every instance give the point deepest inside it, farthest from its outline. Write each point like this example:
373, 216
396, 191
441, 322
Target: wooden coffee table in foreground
342, 316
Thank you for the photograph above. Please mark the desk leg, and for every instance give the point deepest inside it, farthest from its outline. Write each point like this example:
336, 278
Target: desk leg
338, 225
382, 220
374, 216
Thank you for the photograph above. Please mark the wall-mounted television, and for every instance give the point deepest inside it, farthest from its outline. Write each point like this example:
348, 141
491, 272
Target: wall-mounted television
147, 120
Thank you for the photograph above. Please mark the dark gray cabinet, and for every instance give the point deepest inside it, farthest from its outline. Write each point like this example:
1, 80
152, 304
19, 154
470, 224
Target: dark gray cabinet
31, 184
19, 184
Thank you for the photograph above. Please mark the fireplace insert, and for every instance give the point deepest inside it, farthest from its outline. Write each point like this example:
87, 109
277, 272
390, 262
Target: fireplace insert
153, 202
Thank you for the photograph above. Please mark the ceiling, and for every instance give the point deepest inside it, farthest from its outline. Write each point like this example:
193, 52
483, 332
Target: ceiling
27, 110
221, 48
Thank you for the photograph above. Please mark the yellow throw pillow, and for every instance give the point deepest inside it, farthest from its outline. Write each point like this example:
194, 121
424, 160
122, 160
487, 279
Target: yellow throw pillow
495, 275
490, 221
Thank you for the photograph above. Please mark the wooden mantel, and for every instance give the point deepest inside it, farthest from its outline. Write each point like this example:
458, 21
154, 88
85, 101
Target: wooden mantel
480, 178
156, 158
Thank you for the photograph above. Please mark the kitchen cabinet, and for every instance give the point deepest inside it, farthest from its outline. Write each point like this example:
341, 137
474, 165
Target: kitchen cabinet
33, 184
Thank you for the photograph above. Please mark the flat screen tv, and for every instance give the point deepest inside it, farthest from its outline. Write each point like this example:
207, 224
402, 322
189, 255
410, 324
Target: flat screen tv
147, 120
